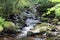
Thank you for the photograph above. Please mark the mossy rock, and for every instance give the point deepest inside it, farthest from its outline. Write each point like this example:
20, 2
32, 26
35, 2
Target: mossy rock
43, 27
55, 23
46, 25
40, 27
9, 25
39, 30
51, 27
44, 19
15, 11
54, 20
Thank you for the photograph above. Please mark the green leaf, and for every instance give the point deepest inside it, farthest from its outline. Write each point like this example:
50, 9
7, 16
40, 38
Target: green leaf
1, 20
55, 0
1, 28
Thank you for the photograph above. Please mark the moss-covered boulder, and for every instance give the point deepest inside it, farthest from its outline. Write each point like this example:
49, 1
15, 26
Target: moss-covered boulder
43, 27
51, 27
44, 19
54, 21
9, 25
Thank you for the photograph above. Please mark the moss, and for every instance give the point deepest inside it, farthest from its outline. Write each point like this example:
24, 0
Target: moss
43, 27
42, 24
44, 19
50, 38
9, 24
51, 27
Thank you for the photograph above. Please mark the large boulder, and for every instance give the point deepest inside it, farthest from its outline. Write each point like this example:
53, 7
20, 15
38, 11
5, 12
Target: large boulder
55, 21
43, 27
9, 25
44, 19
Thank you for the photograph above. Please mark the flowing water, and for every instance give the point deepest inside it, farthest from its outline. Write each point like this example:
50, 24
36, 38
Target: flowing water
31, 21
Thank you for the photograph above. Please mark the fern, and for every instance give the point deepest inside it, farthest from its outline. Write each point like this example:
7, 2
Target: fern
56, 8
55, 0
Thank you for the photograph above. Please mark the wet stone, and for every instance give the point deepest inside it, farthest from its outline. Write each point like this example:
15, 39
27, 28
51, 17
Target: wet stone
57, 39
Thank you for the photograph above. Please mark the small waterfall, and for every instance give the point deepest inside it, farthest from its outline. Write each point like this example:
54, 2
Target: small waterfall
31, 21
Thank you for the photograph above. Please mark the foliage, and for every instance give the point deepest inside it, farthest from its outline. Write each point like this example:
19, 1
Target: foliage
30, 2
1, 21
1, 28
57, 12
55, 0
7, 6
56, 8
5, 24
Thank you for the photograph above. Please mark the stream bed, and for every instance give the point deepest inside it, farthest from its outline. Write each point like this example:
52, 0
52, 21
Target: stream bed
37, 37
